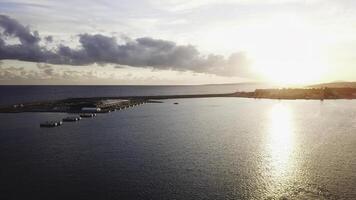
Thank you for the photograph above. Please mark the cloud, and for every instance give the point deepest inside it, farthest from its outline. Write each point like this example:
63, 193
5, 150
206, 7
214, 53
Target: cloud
13, 73
45, 72
101, 49
49, 38
13, 28
184, 5
46, 69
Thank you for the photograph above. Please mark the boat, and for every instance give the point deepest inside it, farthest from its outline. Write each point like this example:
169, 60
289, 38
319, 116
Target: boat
71, 119
87, 115
51, 124
91, 109
176, 103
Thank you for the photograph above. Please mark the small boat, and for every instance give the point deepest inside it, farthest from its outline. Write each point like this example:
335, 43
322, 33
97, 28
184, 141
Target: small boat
176, 103
87, 115
71, 119
51, 124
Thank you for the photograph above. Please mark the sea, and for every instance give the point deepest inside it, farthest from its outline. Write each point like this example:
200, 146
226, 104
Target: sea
204, 148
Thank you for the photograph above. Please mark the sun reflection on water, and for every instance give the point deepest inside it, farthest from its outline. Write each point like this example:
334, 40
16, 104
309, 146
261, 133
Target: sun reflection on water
280, 144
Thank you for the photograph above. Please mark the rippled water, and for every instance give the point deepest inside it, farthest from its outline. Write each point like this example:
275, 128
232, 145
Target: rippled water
218, 148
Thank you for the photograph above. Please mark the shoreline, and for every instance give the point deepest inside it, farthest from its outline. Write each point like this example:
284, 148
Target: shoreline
108, 104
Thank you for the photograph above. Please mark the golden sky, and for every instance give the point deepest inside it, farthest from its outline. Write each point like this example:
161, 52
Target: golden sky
180, 41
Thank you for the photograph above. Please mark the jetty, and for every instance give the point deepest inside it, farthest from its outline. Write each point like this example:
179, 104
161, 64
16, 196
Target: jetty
75, 105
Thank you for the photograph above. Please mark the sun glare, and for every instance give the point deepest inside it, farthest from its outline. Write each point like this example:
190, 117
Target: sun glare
288, 51
280, 145
280, 137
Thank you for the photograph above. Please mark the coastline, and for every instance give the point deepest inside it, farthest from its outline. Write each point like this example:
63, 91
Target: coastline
107, 104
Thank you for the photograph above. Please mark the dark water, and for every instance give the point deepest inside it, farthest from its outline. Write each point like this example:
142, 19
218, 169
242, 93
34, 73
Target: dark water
22, 94
219, 148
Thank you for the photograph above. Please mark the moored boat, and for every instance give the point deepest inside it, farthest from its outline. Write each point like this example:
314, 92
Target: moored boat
51, 124
87, 115
71, 119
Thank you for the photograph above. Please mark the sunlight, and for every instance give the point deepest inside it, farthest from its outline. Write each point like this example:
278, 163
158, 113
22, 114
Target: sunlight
280, 141
288, 51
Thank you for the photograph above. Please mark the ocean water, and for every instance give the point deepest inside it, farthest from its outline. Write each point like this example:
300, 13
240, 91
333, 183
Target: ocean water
208, 148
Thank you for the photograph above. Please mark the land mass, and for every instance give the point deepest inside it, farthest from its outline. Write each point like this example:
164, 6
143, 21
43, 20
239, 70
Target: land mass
107, 104
337, 84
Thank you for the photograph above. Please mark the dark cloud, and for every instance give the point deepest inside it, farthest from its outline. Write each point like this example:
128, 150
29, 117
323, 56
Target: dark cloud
13, 28
28, 49
49, 38
101, 49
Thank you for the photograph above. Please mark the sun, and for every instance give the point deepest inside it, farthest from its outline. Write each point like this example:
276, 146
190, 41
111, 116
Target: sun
291, 71
288, 51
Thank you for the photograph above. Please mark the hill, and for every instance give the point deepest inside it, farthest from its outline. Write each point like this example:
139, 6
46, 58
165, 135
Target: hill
335, 85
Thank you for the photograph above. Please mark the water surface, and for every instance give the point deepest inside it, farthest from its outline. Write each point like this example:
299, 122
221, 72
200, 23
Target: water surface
217, 148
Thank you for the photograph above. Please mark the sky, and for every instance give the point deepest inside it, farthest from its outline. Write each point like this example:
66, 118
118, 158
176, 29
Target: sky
177, 41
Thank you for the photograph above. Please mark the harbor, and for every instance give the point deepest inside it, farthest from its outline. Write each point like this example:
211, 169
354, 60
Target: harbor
75, 105
87, 109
